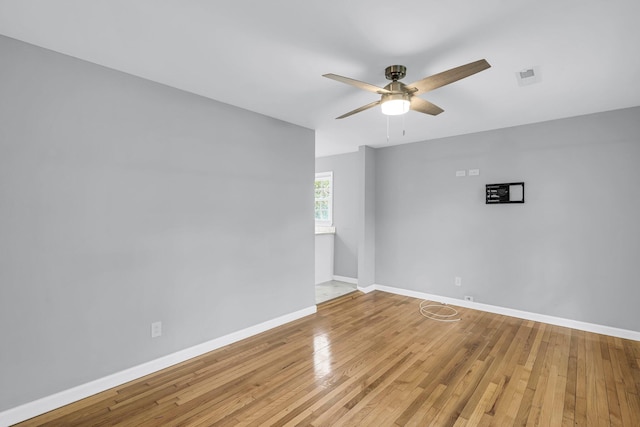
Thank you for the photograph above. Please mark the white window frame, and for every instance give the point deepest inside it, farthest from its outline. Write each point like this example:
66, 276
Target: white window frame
325, 176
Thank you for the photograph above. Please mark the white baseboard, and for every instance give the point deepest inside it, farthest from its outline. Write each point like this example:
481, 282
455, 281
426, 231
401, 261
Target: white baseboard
346, 279
552, 320
46, 404
367, 289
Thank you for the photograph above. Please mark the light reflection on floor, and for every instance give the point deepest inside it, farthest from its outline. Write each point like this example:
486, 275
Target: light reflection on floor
321, 356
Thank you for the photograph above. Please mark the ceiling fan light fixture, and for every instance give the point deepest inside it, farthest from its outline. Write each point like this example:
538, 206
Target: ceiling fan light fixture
395, 104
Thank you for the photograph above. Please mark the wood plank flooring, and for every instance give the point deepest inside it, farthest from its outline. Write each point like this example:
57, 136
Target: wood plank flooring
373, 360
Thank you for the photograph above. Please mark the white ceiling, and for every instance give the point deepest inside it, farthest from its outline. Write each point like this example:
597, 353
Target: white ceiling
269, 56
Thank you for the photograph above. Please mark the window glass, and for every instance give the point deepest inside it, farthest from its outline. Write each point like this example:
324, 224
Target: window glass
324, 198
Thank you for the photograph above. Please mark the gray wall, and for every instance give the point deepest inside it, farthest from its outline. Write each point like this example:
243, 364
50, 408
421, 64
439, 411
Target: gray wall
345, 169
366, 216
124, 202
570, 251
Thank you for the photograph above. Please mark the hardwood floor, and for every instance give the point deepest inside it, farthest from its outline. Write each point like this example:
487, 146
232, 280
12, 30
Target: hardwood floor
373, 360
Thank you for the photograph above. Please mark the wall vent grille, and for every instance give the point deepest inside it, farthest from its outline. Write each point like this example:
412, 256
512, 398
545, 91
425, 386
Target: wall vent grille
528, 76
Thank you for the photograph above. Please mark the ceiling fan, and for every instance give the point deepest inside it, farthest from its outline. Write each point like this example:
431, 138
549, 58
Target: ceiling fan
398, 98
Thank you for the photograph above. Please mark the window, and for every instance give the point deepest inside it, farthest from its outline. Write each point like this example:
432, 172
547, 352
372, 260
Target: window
324, 198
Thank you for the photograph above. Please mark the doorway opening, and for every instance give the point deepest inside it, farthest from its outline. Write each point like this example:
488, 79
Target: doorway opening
333, 289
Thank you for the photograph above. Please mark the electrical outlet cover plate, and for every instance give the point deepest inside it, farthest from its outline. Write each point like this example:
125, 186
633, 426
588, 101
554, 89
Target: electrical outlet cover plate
156, 329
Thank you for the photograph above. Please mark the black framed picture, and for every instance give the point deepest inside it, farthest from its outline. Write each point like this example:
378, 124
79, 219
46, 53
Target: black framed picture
512, 192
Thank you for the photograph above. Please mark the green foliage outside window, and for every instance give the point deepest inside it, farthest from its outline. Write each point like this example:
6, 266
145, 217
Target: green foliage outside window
323, 196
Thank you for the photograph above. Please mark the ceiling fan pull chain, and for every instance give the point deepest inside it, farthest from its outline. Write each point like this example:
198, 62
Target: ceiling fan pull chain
403, 127
387, 129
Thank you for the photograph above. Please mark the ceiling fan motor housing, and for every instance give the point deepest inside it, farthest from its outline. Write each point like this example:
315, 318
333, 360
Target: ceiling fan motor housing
395, 72
397, 87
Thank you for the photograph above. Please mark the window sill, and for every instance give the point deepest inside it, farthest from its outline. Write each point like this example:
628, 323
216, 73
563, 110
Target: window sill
325, 230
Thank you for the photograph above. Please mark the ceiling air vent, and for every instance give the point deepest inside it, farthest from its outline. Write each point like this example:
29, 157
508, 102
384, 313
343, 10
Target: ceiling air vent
528, 76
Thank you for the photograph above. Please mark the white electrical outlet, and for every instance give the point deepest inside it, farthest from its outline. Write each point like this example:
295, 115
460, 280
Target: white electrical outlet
474, 172
461, 173
156, 329
468, 298
458, 281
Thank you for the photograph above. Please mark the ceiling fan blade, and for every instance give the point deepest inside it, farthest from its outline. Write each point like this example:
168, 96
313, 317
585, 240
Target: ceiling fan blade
357, 83
422, 106
357, 110
453, 75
